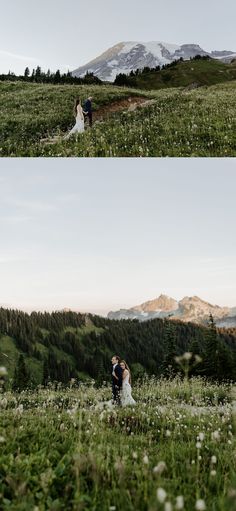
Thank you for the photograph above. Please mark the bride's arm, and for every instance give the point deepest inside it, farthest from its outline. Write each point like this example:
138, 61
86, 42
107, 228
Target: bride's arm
125, 372
80, 110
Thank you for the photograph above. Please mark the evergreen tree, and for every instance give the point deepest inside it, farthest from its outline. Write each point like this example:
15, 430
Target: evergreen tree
27, 72
38, 74
46, 376
170, 348
57, 77
21, 376
211, 355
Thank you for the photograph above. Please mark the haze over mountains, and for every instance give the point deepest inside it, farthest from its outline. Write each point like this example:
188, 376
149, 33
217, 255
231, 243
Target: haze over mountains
128, 56
191, 309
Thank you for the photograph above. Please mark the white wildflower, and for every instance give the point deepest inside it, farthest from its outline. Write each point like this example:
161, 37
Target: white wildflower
215, 435
187, 355
3, 371
161, 495
160, 467
179, 502
200, 505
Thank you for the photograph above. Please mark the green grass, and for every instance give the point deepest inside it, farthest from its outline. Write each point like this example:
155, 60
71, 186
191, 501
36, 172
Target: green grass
32, 111
183, 74
59, 449
9, 354
198, 123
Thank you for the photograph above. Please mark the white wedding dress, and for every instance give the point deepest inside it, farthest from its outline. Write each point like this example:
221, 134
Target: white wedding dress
125, 395
79, 124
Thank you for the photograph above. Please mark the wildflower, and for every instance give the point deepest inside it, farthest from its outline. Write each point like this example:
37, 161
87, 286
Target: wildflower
2, 440
135, 456
200, 505
3, 402
213, 473
179, 502
201, 436
20, 409
213, 460
198, 445
187, 355
168, 433
161, 495
215, 435
145, 460
168, 506
160, 467
112, 508
3, 371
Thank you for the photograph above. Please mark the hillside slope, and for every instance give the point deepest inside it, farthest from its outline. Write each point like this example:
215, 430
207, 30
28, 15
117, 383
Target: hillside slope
66, 345
178, 122
194, 73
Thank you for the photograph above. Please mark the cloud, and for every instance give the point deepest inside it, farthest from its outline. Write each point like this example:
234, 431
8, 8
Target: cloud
32, 205
17, 56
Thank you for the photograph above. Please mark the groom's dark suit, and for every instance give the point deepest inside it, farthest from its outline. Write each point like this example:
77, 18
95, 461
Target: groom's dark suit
116, 383
88, 109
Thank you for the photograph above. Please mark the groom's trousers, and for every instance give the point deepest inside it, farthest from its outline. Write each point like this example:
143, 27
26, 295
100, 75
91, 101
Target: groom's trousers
116, 394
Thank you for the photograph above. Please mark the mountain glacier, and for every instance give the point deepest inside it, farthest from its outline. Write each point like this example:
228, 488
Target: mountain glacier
128, 56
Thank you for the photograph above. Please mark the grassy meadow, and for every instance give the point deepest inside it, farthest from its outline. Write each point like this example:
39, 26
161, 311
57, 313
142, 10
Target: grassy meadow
176, 123
68, 449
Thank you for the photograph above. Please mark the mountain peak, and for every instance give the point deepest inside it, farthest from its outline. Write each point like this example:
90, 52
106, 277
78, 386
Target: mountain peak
127, 56
192, 309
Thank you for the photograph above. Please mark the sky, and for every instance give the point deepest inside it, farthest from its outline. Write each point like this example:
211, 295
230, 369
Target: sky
102, 234
66, 34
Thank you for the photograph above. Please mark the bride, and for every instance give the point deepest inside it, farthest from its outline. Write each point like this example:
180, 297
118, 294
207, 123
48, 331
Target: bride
125, 395
79, 114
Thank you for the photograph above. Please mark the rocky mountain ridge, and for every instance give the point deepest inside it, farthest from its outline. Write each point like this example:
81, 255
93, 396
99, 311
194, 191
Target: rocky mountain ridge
128, 56
189, 309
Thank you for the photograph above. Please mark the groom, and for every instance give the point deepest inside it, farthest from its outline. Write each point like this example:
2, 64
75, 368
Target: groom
88, 110
116, 379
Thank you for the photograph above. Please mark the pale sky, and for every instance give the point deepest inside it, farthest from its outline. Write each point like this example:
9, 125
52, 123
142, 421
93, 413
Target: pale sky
96, 235
68, 33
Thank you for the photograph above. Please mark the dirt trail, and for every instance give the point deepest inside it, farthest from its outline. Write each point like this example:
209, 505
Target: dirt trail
130, 105
122, 105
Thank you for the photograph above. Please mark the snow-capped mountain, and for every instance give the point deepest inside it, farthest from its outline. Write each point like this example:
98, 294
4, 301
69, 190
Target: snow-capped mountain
188, 309
128, 56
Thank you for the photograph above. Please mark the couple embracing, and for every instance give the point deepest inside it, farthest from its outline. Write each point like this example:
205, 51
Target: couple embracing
79, 113
121, 382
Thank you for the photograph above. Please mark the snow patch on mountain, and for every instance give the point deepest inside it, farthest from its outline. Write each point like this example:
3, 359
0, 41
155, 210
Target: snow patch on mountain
128, 56
189, 309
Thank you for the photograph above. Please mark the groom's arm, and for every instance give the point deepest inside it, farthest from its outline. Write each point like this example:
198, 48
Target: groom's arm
119, 372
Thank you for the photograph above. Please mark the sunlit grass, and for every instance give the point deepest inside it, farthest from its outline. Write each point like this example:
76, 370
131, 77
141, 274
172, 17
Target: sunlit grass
201, 122
69, 449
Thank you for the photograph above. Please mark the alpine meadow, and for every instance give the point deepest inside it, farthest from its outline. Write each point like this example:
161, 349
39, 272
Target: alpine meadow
117, 255
62, 441
187, 109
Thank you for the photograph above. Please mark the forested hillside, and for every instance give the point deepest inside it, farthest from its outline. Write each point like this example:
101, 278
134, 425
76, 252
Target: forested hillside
40, 347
